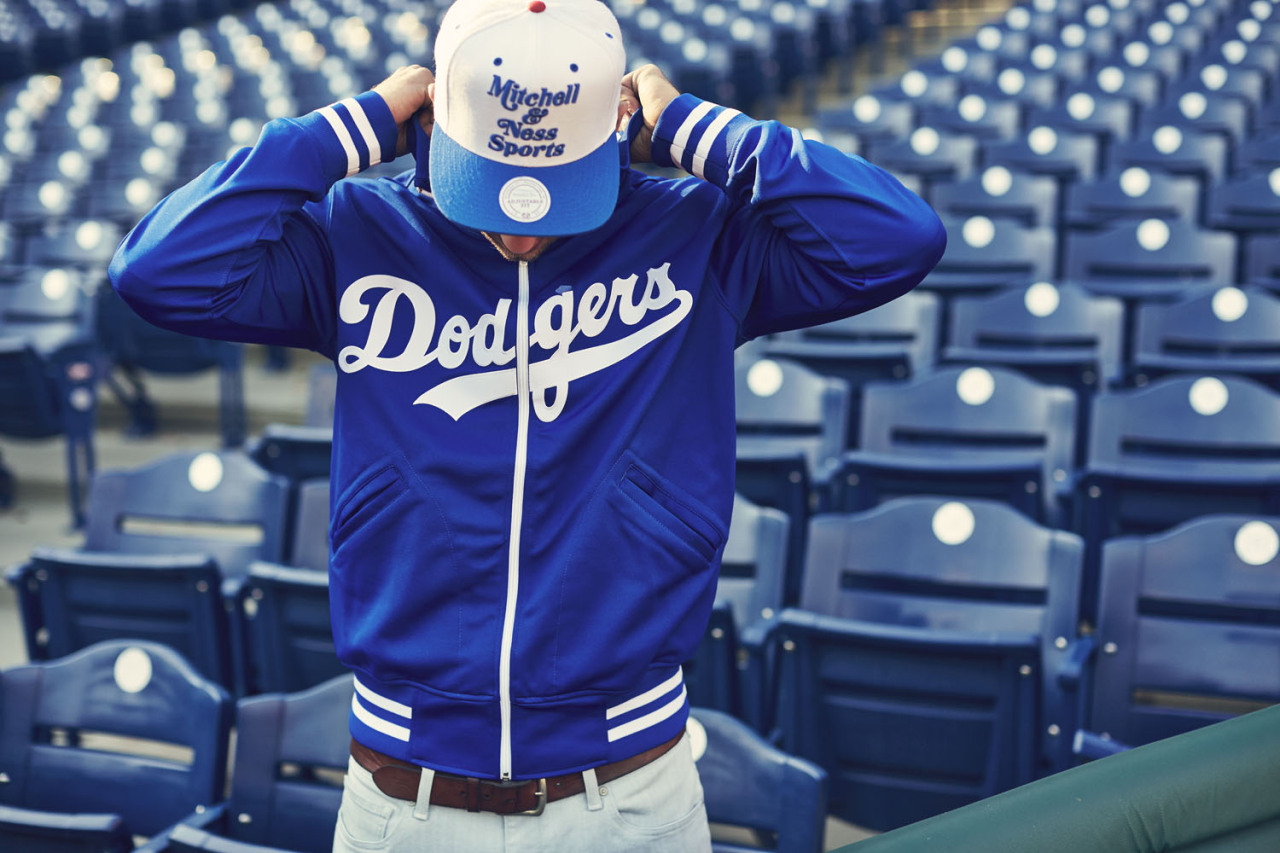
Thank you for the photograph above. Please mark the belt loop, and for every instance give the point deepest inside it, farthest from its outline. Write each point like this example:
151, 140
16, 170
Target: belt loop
422, 805
592, 789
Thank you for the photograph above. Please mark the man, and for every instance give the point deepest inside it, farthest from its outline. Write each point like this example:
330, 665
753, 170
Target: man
533, 447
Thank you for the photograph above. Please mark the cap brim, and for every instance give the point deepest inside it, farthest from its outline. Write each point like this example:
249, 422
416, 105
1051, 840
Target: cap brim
547, 201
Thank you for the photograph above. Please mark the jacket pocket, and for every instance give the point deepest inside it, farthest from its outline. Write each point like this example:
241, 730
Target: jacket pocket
677, 515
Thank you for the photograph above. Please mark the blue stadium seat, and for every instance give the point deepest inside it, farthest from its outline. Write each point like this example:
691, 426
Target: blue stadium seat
1000, 193
309, 523
1227, 330
74, 599
1044, 150
750, 784
1175, 149
855, 125
62, 719
1205, 112
751, 588
299, 454
928, 676
1131, 195
291, 754
1108, 119
1184, 446
1055, 335
133, 347
1188, 628
1153, 258
984, 255
1143, 87
49, 370
978, 116
34, 831
791, 426
896, 340
288, 637
1024, 83
978, 432
928, 154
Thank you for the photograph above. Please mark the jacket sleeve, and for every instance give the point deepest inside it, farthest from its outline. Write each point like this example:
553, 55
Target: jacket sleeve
812, 234
242, 252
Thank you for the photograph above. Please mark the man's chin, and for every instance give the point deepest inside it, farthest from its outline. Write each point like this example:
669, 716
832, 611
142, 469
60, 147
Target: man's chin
519, 248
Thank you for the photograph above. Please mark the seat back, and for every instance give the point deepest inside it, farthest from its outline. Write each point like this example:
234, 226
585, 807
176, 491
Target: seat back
288, 635
1132, 195
1150, 258
220, 503
1226, 330
754, 561
1189, 627
1000, 193
63, 720
85, 597
309, 543
291, 753
985, 254
748, 783
921, 672
1047, 150
33, 831
976, 431
1175, 149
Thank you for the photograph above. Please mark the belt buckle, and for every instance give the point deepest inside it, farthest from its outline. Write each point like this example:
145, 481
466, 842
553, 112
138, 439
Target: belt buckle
542, 800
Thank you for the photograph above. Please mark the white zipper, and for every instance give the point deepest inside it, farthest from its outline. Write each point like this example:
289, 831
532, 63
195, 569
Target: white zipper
523, 398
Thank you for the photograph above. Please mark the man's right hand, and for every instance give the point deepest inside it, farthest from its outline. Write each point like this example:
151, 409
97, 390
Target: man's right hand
408, 92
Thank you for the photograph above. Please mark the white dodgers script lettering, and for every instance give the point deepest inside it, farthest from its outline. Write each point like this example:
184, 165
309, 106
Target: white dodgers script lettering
557, 323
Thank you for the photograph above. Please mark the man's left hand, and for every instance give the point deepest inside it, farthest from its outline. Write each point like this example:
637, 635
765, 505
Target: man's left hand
647, 89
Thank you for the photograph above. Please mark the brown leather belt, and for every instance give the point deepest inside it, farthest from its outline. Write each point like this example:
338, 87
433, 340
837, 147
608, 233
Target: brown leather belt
397, 779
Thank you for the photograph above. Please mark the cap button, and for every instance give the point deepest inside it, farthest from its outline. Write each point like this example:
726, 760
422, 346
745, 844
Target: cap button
537, 6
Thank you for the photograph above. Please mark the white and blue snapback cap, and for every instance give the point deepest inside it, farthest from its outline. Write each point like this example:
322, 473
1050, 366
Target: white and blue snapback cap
526, 114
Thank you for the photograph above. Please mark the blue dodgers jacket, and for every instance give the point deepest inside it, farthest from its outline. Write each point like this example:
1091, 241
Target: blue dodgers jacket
533, 462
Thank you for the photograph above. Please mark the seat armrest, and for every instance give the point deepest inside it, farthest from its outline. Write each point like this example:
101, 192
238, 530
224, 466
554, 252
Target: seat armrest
202, 819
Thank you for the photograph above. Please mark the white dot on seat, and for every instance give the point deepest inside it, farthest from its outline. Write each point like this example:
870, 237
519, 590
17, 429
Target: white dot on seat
1213, 76
1136, 53
1229, 304
866, 108
132, 671
1273, 180
1110, 79
1042, 140
925, 141
1167, 139
1234, 51
1135, 181
1260, 9
55, 284
997, 181
914, 84
989, 38
89, 235
1208, 396
955, 59
1161, 32
978, 231
1193, 105
1011, 81
1178, 13
1041, 299
1256, 543
1018, 18
1097, 16
975, 386
1153, 234
953, 523
205, 472
764, 378
1043, 56
972, 107
1080, 106
697, 737
1249, 30
1073, 35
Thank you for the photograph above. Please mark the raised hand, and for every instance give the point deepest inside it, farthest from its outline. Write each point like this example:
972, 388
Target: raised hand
646, 88
409, 92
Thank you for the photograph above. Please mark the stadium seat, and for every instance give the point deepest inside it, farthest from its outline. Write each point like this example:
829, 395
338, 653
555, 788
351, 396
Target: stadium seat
133, 347
857, 124
1143, 87
984, 255
49, 370
1183, 446
1131, 195
322, 382
63, 719
1227, 330
978, 116
1177, 150
999, 193
927, 153
791, 425
1205, 112
749, 784
1054, 335
934, 660
1150, 259
288, 636
33, 831
963, 431
1188, 628
291, 755
74, 599
1043, 150
1108, 119
896, 340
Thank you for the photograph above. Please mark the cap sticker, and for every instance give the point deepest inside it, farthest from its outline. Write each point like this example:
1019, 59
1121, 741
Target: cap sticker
524, 199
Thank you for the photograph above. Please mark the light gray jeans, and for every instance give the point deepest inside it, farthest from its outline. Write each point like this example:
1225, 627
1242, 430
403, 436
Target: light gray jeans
656, 808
